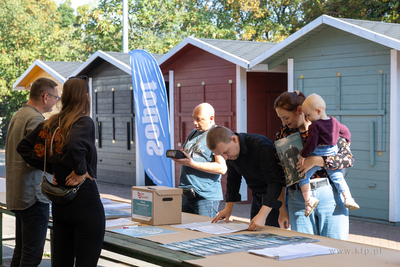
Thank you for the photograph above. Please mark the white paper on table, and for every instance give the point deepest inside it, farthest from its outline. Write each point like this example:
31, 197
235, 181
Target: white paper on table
105, 201
218, 228
118, 206
190, 226
294, 251
119, 222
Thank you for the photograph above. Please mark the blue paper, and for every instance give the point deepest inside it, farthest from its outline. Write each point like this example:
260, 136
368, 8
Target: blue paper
144, 231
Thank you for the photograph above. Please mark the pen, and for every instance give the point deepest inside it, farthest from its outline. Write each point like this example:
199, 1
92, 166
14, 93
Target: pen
129, 227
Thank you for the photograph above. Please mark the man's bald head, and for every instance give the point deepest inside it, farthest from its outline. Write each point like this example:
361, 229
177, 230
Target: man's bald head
205, 108
203, 117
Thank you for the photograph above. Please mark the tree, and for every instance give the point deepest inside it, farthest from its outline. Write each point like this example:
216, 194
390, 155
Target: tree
153, 25
102, 28
373, 10
67, 14
158, 25
258, 20
29, 30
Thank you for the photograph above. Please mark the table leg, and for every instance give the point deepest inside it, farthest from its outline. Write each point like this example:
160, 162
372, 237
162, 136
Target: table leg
1, 238
51, 245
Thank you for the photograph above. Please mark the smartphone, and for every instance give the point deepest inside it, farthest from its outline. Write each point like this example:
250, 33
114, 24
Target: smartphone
176, 154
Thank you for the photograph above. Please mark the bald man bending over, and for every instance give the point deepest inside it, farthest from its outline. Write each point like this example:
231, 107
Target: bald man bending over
201, 170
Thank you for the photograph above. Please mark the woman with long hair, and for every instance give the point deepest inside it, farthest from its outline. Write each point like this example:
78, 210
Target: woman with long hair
330, 217
68, 139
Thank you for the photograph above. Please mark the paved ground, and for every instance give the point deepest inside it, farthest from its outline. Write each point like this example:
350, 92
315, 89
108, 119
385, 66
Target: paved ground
108, 259
378, 234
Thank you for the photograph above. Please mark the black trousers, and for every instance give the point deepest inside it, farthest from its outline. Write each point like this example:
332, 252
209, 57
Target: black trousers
30, 234
256, 204
79, 228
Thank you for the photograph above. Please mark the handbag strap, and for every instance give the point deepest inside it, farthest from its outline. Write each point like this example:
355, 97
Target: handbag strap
45, 150
44, 167
52, 139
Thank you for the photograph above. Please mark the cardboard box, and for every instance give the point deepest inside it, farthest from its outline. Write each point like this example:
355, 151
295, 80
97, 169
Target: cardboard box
156, 205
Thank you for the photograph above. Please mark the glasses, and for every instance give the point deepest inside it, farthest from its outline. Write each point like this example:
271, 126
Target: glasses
56, 96
82, 77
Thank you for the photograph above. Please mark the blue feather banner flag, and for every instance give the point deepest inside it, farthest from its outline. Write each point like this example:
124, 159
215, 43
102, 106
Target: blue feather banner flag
152, 122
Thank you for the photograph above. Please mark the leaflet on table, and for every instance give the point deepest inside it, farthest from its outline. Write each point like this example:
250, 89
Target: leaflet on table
294, 251
105, 201
120, 222
143, 231
222, 244
218, 228
117, 206
113, 214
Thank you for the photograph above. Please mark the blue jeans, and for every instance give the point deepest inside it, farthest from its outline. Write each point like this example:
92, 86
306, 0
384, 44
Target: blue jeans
256, 205
200, 206
330, 218
336, 176
30, 234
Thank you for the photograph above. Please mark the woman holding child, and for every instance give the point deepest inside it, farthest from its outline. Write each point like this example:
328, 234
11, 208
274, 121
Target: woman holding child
330, 217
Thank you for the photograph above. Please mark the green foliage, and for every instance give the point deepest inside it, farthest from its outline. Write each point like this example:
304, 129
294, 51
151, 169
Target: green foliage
158, 25
374, 10
262, 20
102, 27
67, 14
154, 25
81, 11
17, 23
30, 30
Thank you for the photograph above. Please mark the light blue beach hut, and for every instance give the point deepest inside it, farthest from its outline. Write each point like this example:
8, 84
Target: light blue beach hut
355, 66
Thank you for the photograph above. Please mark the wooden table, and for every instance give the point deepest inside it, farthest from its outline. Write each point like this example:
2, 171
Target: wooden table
350, 254
145, 250
148, 249
125, 245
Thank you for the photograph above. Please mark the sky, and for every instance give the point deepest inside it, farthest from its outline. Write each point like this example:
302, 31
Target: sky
76, 3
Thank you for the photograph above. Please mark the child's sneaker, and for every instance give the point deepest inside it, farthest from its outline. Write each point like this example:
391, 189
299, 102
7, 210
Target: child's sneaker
351, 204
310, 206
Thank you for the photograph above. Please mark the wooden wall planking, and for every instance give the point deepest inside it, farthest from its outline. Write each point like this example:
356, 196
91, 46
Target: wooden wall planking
191, 69
359, 63
116, 163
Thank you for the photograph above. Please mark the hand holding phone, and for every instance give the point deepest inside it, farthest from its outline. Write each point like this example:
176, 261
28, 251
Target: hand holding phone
176, 154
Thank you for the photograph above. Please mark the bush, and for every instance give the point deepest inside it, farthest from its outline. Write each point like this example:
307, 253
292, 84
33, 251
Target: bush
9, 104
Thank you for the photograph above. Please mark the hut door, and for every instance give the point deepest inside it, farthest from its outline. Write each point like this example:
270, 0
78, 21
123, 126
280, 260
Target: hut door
273, 122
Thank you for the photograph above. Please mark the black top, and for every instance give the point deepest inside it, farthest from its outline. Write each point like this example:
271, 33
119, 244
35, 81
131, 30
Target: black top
78, 154
258, 165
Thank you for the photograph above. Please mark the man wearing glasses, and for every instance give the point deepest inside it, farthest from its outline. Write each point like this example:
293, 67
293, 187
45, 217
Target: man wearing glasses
56, 96
23, 192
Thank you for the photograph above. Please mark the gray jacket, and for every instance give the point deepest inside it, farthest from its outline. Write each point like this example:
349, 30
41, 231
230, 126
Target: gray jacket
22, 181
